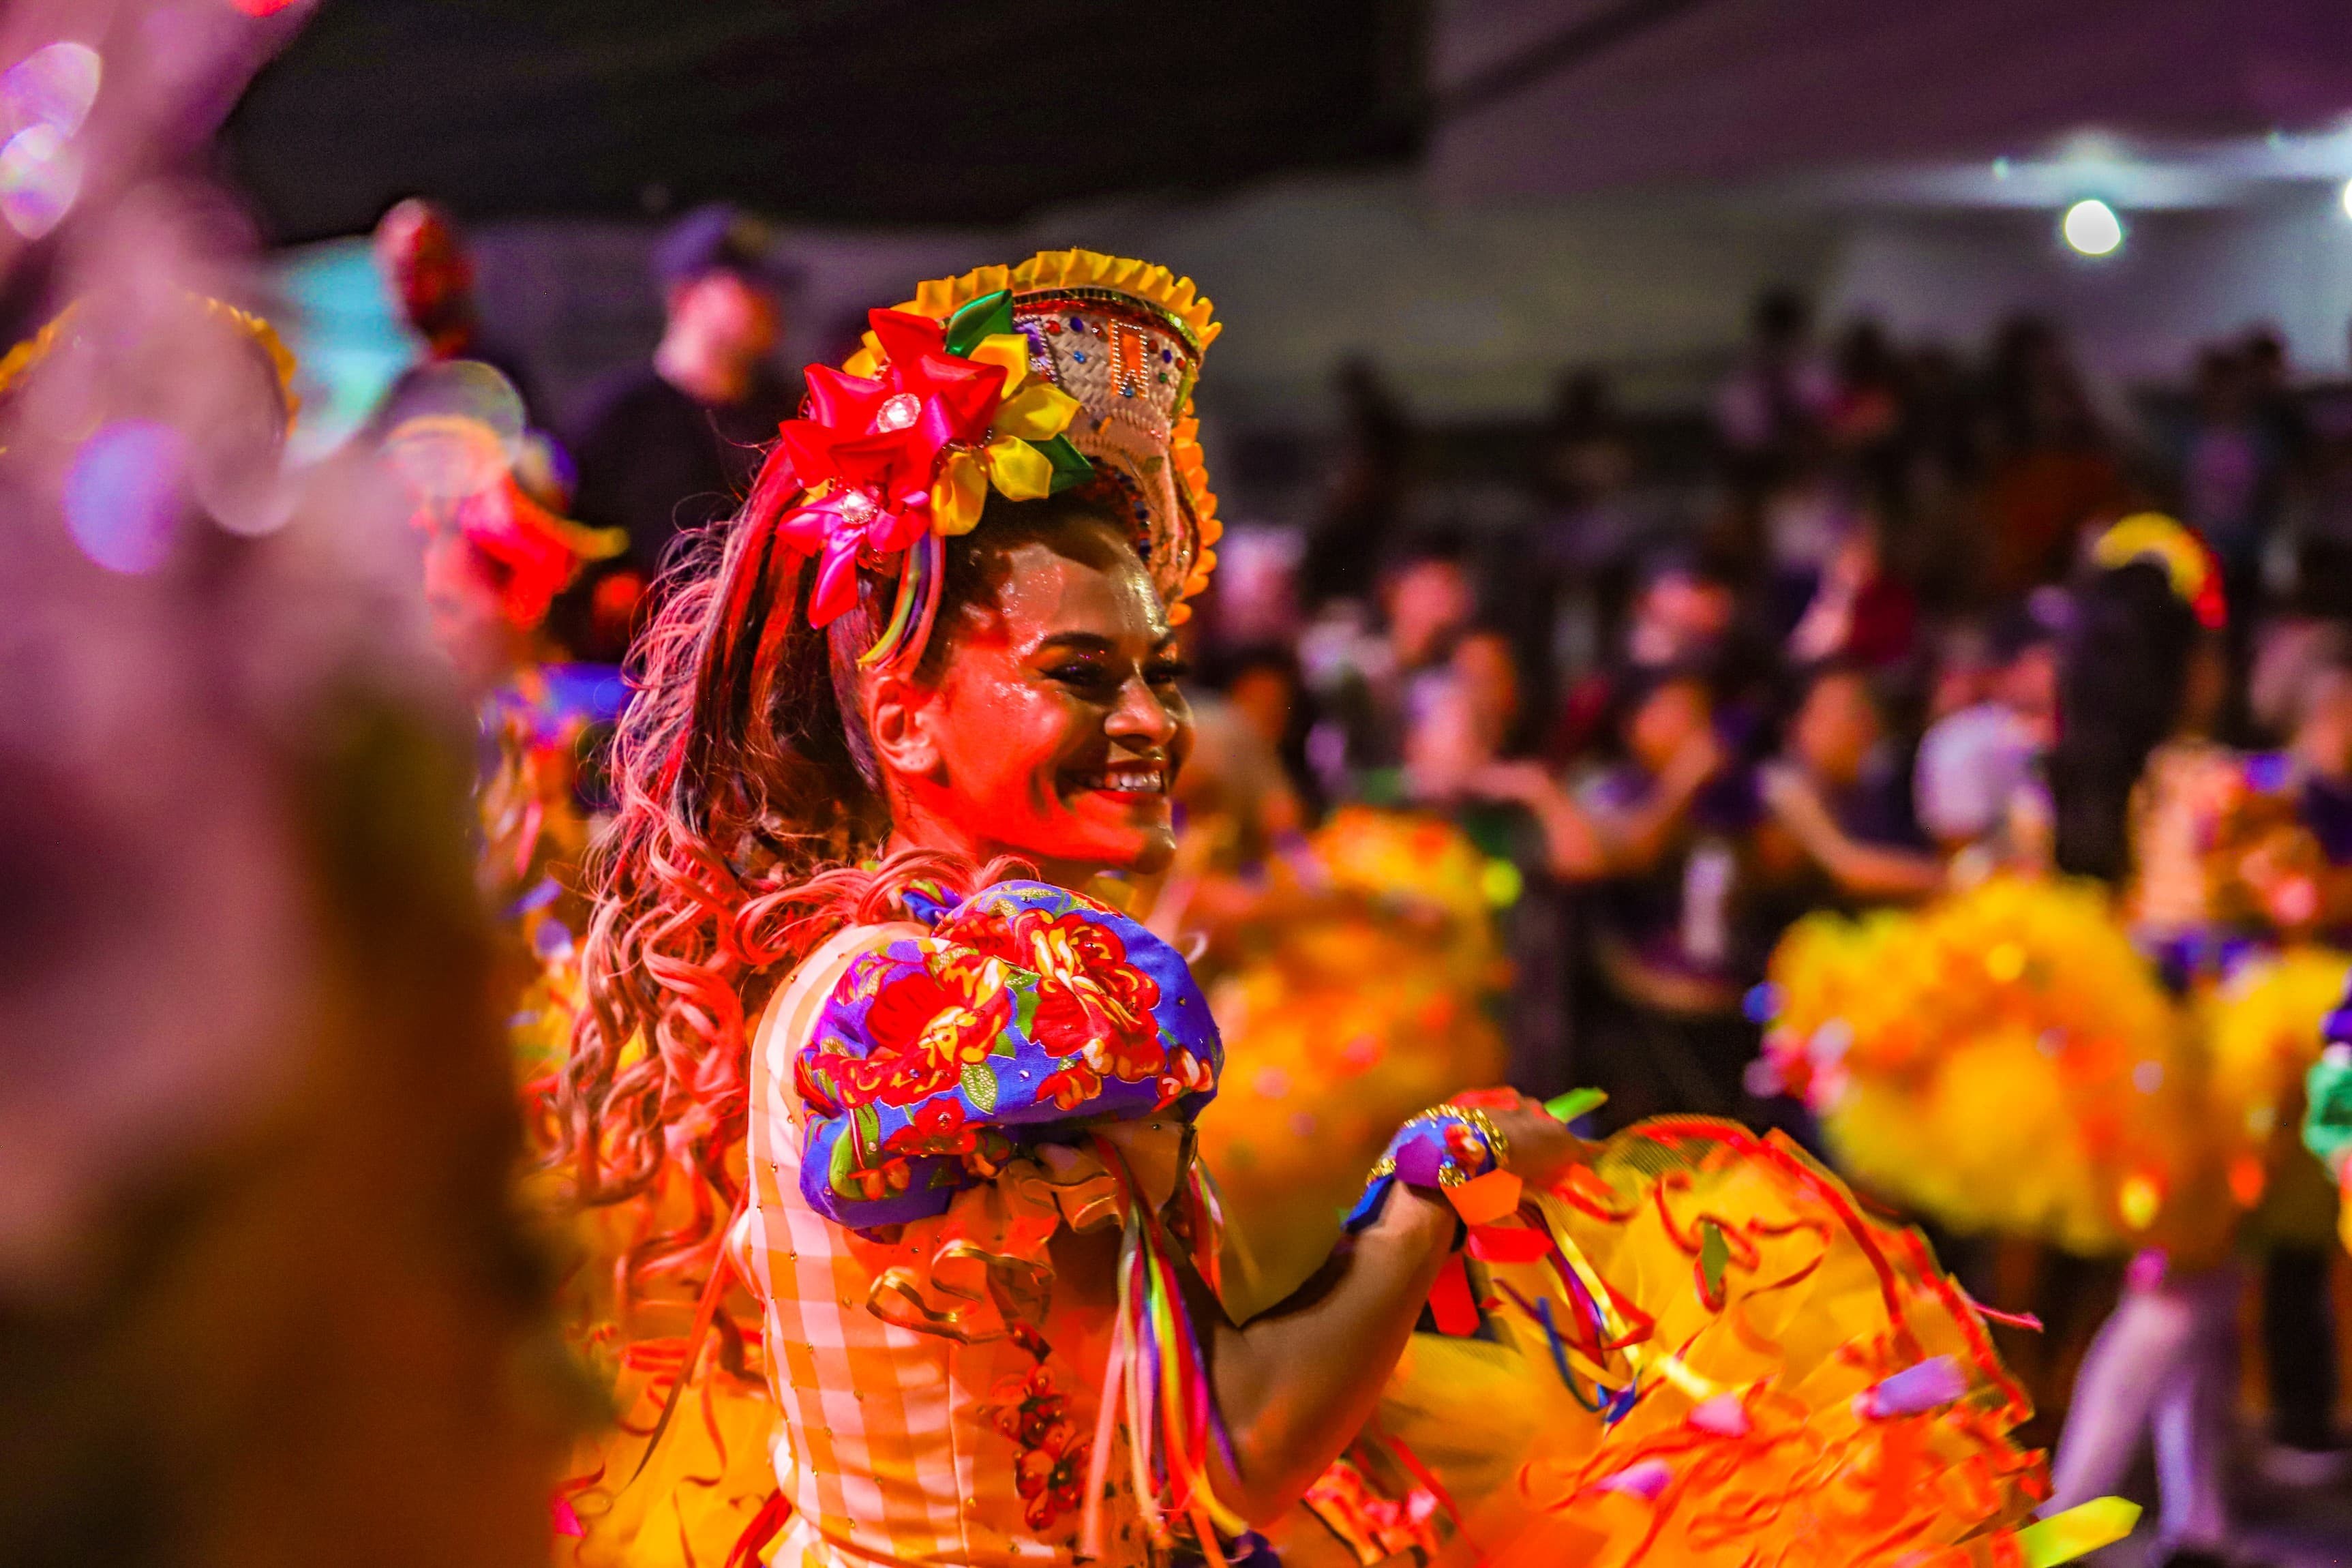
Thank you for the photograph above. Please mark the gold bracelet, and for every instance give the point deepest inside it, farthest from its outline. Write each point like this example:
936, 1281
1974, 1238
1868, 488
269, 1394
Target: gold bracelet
1498, 1148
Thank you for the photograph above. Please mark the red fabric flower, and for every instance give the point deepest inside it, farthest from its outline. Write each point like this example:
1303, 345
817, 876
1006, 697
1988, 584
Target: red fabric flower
1186, 1074
1050, 1470
924, 1026
1091, 1002
1026, 1407
812, 1080
1072, 1086
1053, 1475
871, 446
937, 1126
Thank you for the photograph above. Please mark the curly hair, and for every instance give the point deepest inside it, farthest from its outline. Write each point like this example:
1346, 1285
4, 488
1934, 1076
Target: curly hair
750, 826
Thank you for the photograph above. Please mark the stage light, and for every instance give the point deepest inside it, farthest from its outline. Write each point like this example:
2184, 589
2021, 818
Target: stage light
2092, 228
2344, 197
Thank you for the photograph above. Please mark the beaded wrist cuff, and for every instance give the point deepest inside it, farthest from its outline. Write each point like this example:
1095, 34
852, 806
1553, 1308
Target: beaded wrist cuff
1449, 1148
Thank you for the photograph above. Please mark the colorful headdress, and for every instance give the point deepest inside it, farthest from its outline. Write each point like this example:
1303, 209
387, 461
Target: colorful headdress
459, 473
1071, 369
2152, 537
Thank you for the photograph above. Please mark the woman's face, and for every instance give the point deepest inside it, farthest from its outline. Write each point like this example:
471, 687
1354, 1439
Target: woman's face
1836, 729
1489, 672
1057, 727
1667, 720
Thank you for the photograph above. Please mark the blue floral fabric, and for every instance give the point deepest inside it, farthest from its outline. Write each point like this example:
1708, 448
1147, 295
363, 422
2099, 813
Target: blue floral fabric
1026, 1007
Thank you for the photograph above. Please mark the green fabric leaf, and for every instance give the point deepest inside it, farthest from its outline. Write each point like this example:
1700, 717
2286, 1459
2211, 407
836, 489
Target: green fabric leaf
866, 1130
1714, 1257
983, 318
1574, 1103
2328, 1119
1070, 465
840, 1175
980, 1086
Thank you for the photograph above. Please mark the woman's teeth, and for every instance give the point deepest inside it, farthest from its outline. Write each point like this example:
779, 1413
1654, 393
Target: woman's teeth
1131, 778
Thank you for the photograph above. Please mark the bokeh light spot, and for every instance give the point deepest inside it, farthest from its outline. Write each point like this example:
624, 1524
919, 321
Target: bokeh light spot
2092, 228
53, 86
40, 176
123, 495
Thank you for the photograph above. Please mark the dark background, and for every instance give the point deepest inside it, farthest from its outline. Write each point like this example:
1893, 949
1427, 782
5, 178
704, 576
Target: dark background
975, 111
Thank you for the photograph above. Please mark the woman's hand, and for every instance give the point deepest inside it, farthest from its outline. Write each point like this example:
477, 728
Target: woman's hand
1696, 761
1542, 1149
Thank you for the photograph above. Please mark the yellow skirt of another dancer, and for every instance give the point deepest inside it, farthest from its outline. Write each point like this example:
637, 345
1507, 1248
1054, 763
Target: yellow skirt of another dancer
2005, 1059
1360, 998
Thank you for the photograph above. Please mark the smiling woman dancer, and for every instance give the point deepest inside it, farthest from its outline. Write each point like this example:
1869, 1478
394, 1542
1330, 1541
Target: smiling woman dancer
940, 1114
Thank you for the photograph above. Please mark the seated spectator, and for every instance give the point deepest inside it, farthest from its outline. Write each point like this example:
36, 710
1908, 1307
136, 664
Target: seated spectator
1374, 685
1978, 787
1462, 757
2054, 470
1266, 688
1682, 617
1839, 827
2233, 467
1674, 939
1770, 411
1358, 518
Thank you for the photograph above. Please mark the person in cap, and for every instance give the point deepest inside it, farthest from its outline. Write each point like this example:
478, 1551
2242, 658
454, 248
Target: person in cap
671, 444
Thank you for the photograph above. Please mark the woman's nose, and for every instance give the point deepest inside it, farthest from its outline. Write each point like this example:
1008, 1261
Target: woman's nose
1142, 716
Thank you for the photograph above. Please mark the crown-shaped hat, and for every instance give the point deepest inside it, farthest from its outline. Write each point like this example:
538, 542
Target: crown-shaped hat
1073, 368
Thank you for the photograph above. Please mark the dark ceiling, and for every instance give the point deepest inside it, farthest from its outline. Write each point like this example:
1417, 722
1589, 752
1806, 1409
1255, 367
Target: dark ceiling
891, 112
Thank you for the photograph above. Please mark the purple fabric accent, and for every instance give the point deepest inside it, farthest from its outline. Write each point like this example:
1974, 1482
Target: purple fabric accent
1419, 1152
1930, 1385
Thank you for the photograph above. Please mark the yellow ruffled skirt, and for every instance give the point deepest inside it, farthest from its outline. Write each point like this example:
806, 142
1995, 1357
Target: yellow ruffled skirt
1725, 1361
2005, 1059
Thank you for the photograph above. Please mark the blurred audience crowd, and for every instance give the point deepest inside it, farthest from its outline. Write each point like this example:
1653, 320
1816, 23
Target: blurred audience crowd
1690, 702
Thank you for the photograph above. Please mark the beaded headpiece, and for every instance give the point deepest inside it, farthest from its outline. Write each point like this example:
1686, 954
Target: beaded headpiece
1071, 369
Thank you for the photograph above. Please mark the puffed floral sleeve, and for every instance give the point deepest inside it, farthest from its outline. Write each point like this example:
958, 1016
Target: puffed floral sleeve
1027, 1012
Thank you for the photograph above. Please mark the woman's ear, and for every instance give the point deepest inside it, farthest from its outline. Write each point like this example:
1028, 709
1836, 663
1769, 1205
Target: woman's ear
898, 719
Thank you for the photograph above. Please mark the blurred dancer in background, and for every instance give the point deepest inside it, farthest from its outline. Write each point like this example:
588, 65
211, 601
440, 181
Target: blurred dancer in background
259, 1130
2113, 1077
426, 269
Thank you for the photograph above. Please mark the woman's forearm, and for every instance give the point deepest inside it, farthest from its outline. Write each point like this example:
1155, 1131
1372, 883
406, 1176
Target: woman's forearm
1573, 846
1863, 870
1297, 1384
